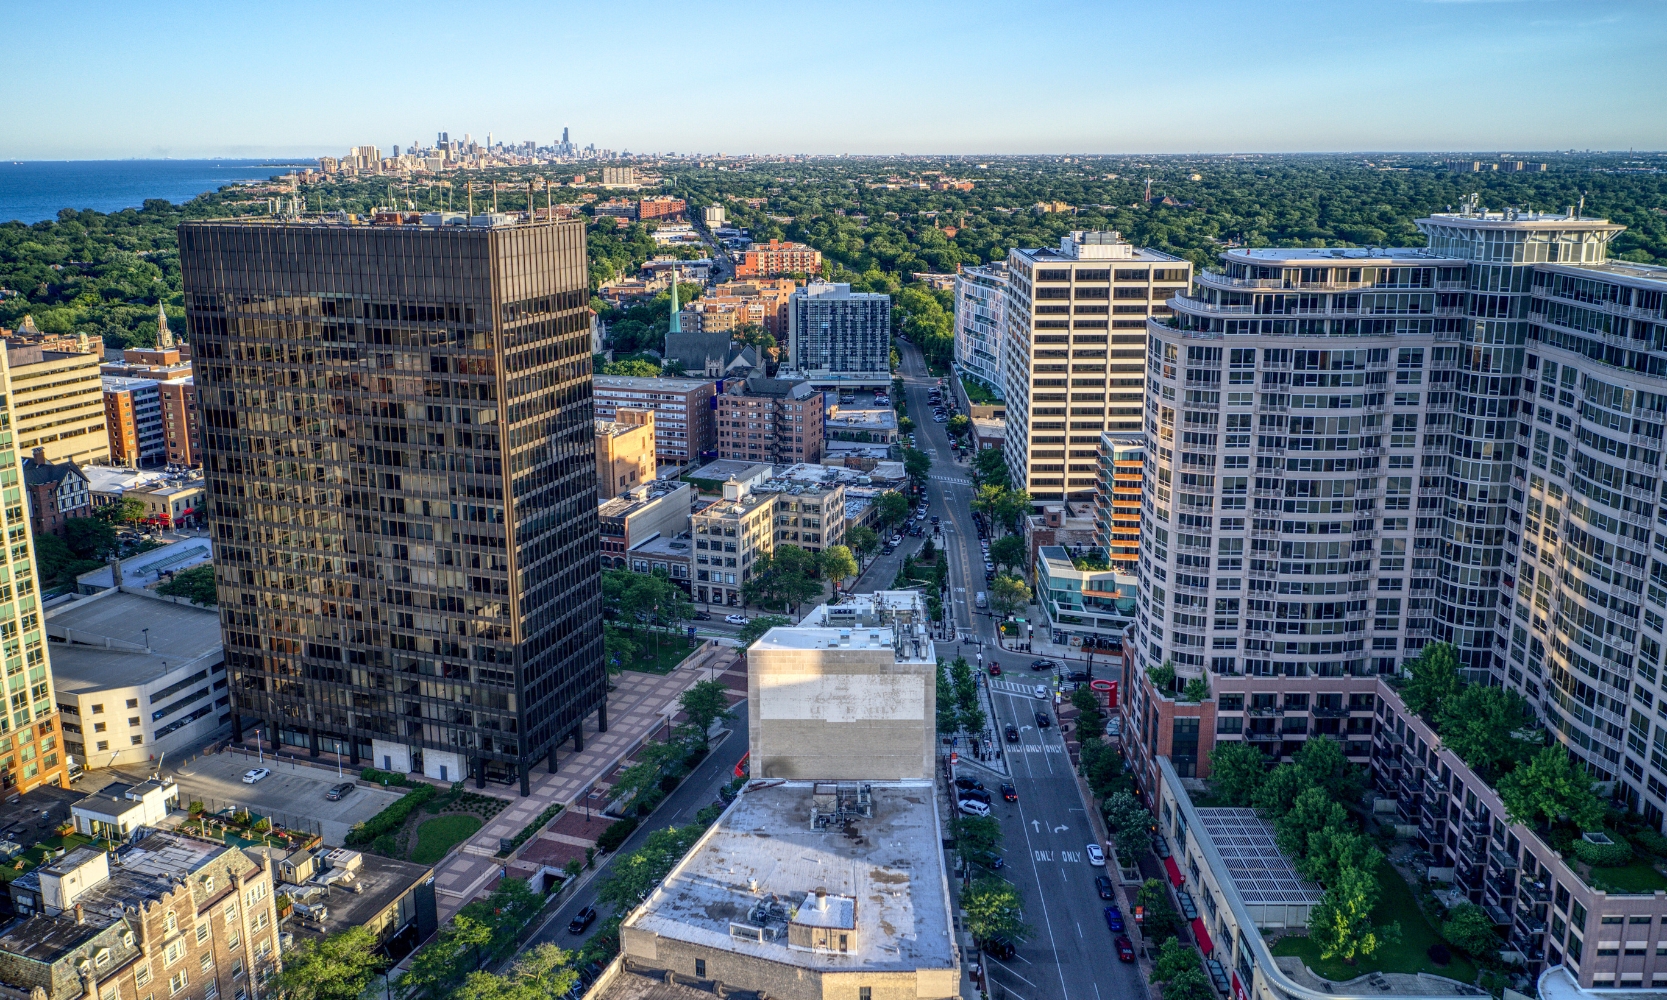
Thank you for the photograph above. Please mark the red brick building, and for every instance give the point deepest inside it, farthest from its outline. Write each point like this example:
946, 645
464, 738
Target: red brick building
777, 258
770, 420
661, 207
57, 493
179, 421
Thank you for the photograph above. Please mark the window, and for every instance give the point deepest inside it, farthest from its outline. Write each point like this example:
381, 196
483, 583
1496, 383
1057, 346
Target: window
202, 932
231, 913
141, 975
176, 982
174, 952
206, 962
132, 703
865, 993
259, 922
700, 968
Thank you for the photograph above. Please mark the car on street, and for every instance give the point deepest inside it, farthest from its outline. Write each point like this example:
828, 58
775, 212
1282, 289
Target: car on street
1102, 884
989, 575
1008, 792
1077, 675
888, 549
934, 519
1012, 733
976, 794
995, 669
736, 619
968, 783
702, 616
254, 774
1125, 949
989, 859
1001, 948
1040, 691
973, 807
582, 920
1097, 857
1043, 720
339, 791
1041, 664
896, 539
1114, 920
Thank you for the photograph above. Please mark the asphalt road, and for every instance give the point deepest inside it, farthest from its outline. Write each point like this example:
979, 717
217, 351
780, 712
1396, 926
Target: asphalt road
697, 792
1070, 955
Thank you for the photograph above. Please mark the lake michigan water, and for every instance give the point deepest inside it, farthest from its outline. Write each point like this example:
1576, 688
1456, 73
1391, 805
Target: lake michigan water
32, 190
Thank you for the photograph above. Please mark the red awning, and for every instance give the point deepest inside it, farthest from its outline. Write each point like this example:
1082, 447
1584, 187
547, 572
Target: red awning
1205, 945
1174, 872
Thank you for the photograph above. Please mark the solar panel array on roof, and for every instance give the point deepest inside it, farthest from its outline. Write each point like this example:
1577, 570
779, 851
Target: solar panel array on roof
1262, 875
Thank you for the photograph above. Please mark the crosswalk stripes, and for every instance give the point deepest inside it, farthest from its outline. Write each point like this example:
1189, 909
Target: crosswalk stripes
951, 480
1012, 687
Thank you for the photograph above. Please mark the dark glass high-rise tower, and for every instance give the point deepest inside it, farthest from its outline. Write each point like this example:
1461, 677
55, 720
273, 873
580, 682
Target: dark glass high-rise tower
399, 451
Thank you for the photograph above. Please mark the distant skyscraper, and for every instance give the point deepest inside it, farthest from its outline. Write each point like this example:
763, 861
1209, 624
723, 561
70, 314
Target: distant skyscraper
398, 438
564, 135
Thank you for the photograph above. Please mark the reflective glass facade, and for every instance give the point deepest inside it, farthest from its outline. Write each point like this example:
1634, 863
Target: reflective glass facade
397, 431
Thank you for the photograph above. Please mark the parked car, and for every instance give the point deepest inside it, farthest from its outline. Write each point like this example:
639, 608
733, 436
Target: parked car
968, 783
1008, 792
973, 807
1102, 884
976, 794
989, 575
1077, 675
999, 948
1012, 733
339, 792
736, 619
989, 859
1042, 664
1040, 691
582, 920
1114, 920
1097, 858
254, 774
1043, 720
934, 519
702, 616
1125, 949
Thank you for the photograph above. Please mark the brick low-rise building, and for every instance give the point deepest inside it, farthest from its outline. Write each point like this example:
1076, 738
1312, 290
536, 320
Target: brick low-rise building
768, 260
172, 916
57, 493
770, 420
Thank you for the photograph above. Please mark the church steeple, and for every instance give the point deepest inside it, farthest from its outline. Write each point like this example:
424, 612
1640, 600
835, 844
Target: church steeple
676, 316
164, 336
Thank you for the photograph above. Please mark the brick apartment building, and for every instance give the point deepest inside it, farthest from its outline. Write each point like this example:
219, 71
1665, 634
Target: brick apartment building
778, 258
683, 411
770, 420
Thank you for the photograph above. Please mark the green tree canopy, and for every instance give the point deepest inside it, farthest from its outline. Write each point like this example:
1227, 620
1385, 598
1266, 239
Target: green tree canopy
916, 464
991, 909
90, 537
1342, 922
1159, 918
1130, 825
837, 562
891, 508
196, 584
1322, 763
127, 510
1435, 678
862, 540
977, 834
989, 468
1237, 770
632, 876
705, 702
337, 967
958, 425
1468, 926
1312, 810
755, 628
1008, 551
633, 366
1008, 594
1549, 787
1492, 729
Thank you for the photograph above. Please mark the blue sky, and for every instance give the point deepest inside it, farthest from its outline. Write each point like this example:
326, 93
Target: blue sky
115, 79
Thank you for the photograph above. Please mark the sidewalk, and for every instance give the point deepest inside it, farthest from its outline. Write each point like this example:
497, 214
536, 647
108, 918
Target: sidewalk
638, 707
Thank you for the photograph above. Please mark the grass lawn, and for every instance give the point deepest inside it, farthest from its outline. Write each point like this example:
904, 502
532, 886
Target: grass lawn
437, 836
977, 393
673, 649
1638, 877
1397, 903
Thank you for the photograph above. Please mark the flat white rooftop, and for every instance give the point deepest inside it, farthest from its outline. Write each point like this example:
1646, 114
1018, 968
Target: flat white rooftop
883, 873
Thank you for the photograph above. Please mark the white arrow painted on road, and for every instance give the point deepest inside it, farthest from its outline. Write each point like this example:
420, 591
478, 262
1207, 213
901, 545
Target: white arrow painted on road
1036, 825
1061, 828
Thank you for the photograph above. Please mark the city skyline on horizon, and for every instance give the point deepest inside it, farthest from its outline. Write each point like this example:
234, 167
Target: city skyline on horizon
1458, 75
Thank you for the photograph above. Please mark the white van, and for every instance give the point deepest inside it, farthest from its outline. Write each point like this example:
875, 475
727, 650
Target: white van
973, 807
981, 600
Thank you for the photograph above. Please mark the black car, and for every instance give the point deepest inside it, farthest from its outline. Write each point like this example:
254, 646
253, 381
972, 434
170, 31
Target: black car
1102, 883
976, 794
582, 920
998, 947
337, 792
1041, 664
1012, 733
702, 616
989, 575
968, 783
1043, 721
1008, 792
1077, 675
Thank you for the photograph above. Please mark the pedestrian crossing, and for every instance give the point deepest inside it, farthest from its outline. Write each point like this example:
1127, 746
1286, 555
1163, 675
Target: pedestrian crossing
951, 480
1012, 687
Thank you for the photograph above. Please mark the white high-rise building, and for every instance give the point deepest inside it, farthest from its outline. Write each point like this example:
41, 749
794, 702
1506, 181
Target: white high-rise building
1074, 353
980, 294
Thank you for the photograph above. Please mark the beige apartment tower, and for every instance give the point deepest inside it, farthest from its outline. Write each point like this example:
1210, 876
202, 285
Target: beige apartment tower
1075, 353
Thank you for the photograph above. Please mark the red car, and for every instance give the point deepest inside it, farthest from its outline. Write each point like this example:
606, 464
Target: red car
1125, 949
995, 669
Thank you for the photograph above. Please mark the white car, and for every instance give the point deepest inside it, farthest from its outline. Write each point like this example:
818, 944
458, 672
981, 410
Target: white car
897, 539
254, 774
1114, 726
973, 807
1041, 692
1096, 857
736, 619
